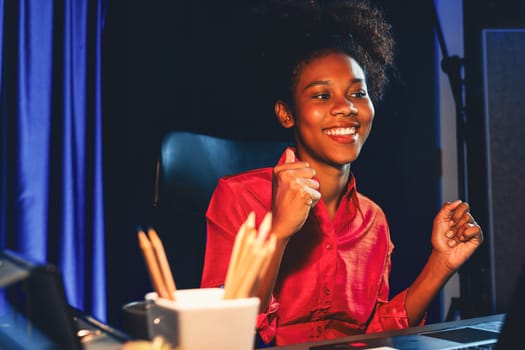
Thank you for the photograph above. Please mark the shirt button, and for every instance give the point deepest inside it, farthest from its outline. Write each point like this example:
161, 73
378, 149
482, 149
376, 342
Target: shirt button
328, 246
327, 291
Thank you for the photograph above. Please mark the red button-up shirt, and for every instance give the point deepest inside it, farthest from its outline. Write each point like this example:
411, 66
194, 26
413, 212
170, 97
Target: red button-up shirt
333, 279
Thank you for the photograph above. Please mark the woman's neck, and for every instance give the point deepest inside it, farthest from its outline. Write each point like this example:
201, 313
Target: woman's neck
333, 180
333, 188
333, 183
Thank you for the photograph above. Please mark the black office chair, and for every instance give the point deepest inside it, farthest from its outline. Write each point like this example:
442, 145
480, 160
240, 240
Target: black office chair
188, 169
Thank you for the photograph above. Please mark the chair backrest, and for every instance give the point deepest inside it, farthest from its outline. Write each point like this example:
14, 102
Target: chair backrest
188, 169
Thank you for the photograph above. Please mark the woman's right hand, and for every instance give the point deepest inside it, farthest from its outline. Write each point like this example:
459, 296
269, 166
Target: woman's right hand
294, 193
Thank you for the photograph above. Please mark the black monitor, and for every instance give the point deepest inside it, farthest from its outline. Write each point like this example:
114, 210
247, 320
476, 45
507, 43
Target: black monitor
34, 312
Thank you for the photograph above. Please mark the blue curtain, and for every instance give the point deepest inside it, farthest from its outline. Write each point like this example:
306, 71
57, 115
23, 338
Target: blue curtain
51, 188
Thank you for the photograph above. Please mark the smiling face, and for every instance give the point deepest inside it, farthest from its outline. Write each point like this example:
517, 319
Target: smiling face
332, 111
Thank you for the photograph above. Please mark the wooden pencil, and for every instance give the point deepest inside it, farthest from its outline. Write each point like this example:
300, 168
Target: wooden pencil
163, 263
251, 255
151, 263
234, 261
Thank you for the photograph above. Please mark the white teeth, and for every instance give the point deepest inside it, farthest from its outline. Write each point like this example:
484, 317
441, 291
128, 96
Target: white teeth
340, 131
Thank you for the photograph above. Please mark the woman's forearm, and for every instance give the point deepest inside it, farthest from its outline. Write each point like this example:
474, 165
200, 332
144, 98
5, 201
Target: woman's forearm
426, 286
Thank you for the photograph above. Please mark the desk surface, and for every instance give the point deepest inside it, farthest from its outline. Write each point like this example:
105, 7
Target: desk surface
108, 341
389, 334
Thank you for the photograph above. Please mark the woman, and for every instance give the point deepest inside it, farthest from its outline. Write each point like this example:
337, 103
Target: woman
329, 275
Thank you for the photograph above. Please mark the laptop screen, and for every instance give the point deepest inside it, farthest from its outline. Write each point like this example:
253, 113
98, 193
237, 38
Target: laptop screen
34, 312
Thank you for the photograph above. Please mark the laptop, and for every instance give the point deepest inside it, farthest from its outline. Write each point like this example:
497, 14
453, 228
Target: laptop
500, 332
35, 314
482, 335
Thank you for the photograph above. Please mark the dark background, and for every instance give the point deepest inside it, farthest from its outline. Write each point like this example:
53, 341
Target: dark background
162, 71
495, 139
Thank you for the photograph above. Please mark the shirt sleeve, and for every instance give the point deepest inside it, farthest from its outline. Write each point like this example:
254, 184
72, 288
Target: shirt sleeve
391, 315
267, 322
222, 228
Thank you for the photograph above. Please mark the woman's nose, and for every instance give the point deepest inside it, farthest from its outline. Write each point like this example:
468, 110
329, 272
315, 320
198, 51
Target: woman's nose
344, 107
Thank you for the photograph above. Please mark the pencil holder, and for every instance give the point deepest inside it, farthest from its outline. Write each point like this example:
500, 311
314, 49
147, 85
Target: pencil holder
202, 319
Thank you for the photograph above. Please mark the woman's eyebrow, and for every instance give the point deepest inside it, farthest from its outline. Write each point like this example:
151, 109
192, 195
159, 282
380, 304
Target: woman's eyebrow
316, 83
327, 82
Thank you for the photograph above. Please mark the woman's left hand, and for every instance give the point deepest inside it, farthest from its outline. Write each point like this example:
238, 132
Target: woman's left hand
455, 234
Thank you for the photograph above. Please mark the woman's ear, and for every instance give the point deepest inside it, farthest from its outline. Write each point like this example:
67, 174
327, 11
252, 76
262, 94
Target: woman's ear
284, 114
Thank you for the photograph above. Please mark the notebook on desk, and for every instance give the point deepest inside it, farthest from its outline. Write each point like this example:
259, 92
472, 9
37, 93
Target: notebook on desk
500, 333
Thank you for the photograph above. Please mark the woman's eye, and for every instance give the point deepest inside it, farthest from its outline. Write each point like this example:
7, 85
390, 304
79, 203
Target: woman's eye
322, 96
360, 93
